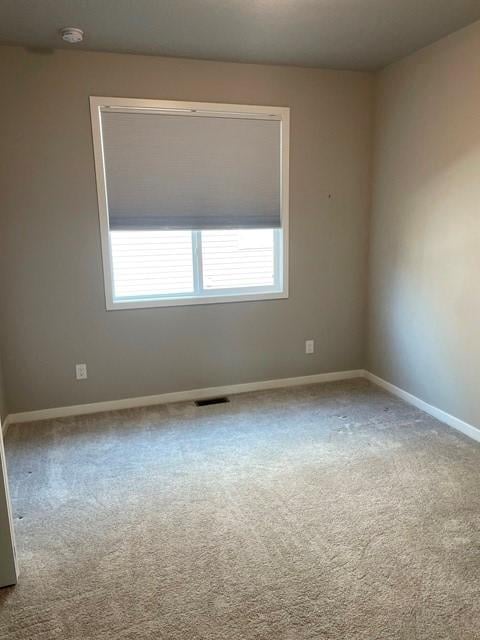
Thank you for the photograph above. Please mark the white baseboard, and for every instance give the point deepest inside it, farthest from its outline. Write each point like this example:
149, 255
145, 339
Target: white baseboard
467, 429
261, 385
180, 396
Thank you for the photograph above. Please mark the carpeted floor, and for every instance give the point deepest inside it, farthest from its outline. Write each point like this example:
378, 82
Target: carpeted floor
323, 512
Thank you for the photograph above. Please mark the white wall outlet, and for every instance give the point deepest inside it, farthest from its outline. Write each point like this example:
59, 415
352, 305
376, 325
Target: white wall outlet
81, 371
309, 346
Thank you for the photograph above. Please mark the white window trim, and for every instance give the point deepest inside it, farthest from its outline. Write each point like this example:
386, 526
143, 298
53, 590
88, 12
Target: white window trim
99, 104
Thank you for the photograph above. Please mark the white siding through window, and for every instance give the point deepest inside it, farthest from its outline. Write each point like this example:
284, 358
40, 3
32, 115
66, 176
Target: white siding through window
165, 263
234, 259
151, 263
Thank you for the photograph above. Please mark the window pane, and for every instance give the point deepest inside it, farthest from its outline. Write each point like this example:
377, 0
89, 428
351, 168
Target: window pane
151, 263
238, 258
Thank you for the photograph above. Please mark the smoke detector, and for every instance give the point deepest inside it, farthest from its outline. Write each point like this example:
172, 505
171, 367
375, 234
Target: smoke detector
72, 35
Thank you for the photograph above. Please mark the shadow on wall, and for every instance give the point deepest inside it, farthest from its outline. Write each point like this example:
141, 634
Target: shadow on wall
424, 287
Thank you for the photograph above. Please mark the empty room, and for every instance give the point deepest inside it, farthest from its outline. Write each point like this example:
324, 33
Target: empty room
239, 344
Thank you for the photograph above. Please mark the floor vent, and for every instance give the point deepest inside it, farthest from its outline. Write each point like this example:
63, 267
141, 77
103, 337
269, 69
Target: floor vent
205, 403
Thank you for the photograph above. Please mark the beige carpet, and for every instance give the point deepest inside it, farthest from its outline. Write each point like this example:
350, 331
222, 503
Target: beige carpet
323, 512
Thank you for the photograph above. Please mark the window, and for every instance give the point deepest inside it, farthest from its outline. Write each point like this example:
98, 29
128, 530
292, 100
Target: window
193, 201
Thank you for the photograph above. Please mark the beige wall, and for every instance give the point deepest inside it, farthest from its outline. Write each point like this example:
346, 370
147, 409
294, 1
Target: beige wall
50, 262
425, 232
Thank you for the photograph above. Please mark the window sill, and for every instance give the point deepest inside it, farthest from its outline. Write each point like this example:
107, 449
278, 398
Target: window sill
186, 301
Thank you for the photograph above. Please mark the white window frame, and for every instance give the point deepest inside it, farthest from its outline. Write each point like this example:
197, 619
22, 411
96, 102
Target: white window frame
280, 289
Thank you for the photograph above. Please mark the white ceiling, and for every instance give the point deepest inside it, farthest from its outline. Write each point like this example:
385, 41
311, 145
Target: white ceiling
346, 34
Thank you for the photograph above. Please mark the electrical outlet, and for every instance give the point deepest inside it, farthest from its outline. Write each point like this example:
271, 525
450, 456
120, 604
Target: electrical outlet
309, 346
81, 371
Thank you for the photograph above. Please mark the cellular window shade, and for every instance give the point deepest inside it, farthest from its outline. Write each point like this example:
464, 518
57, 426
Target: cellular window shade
191, 172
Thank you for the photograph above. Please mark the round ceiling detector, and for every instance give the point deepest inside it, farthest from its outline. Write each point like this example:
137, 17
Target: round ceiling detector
73, 35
